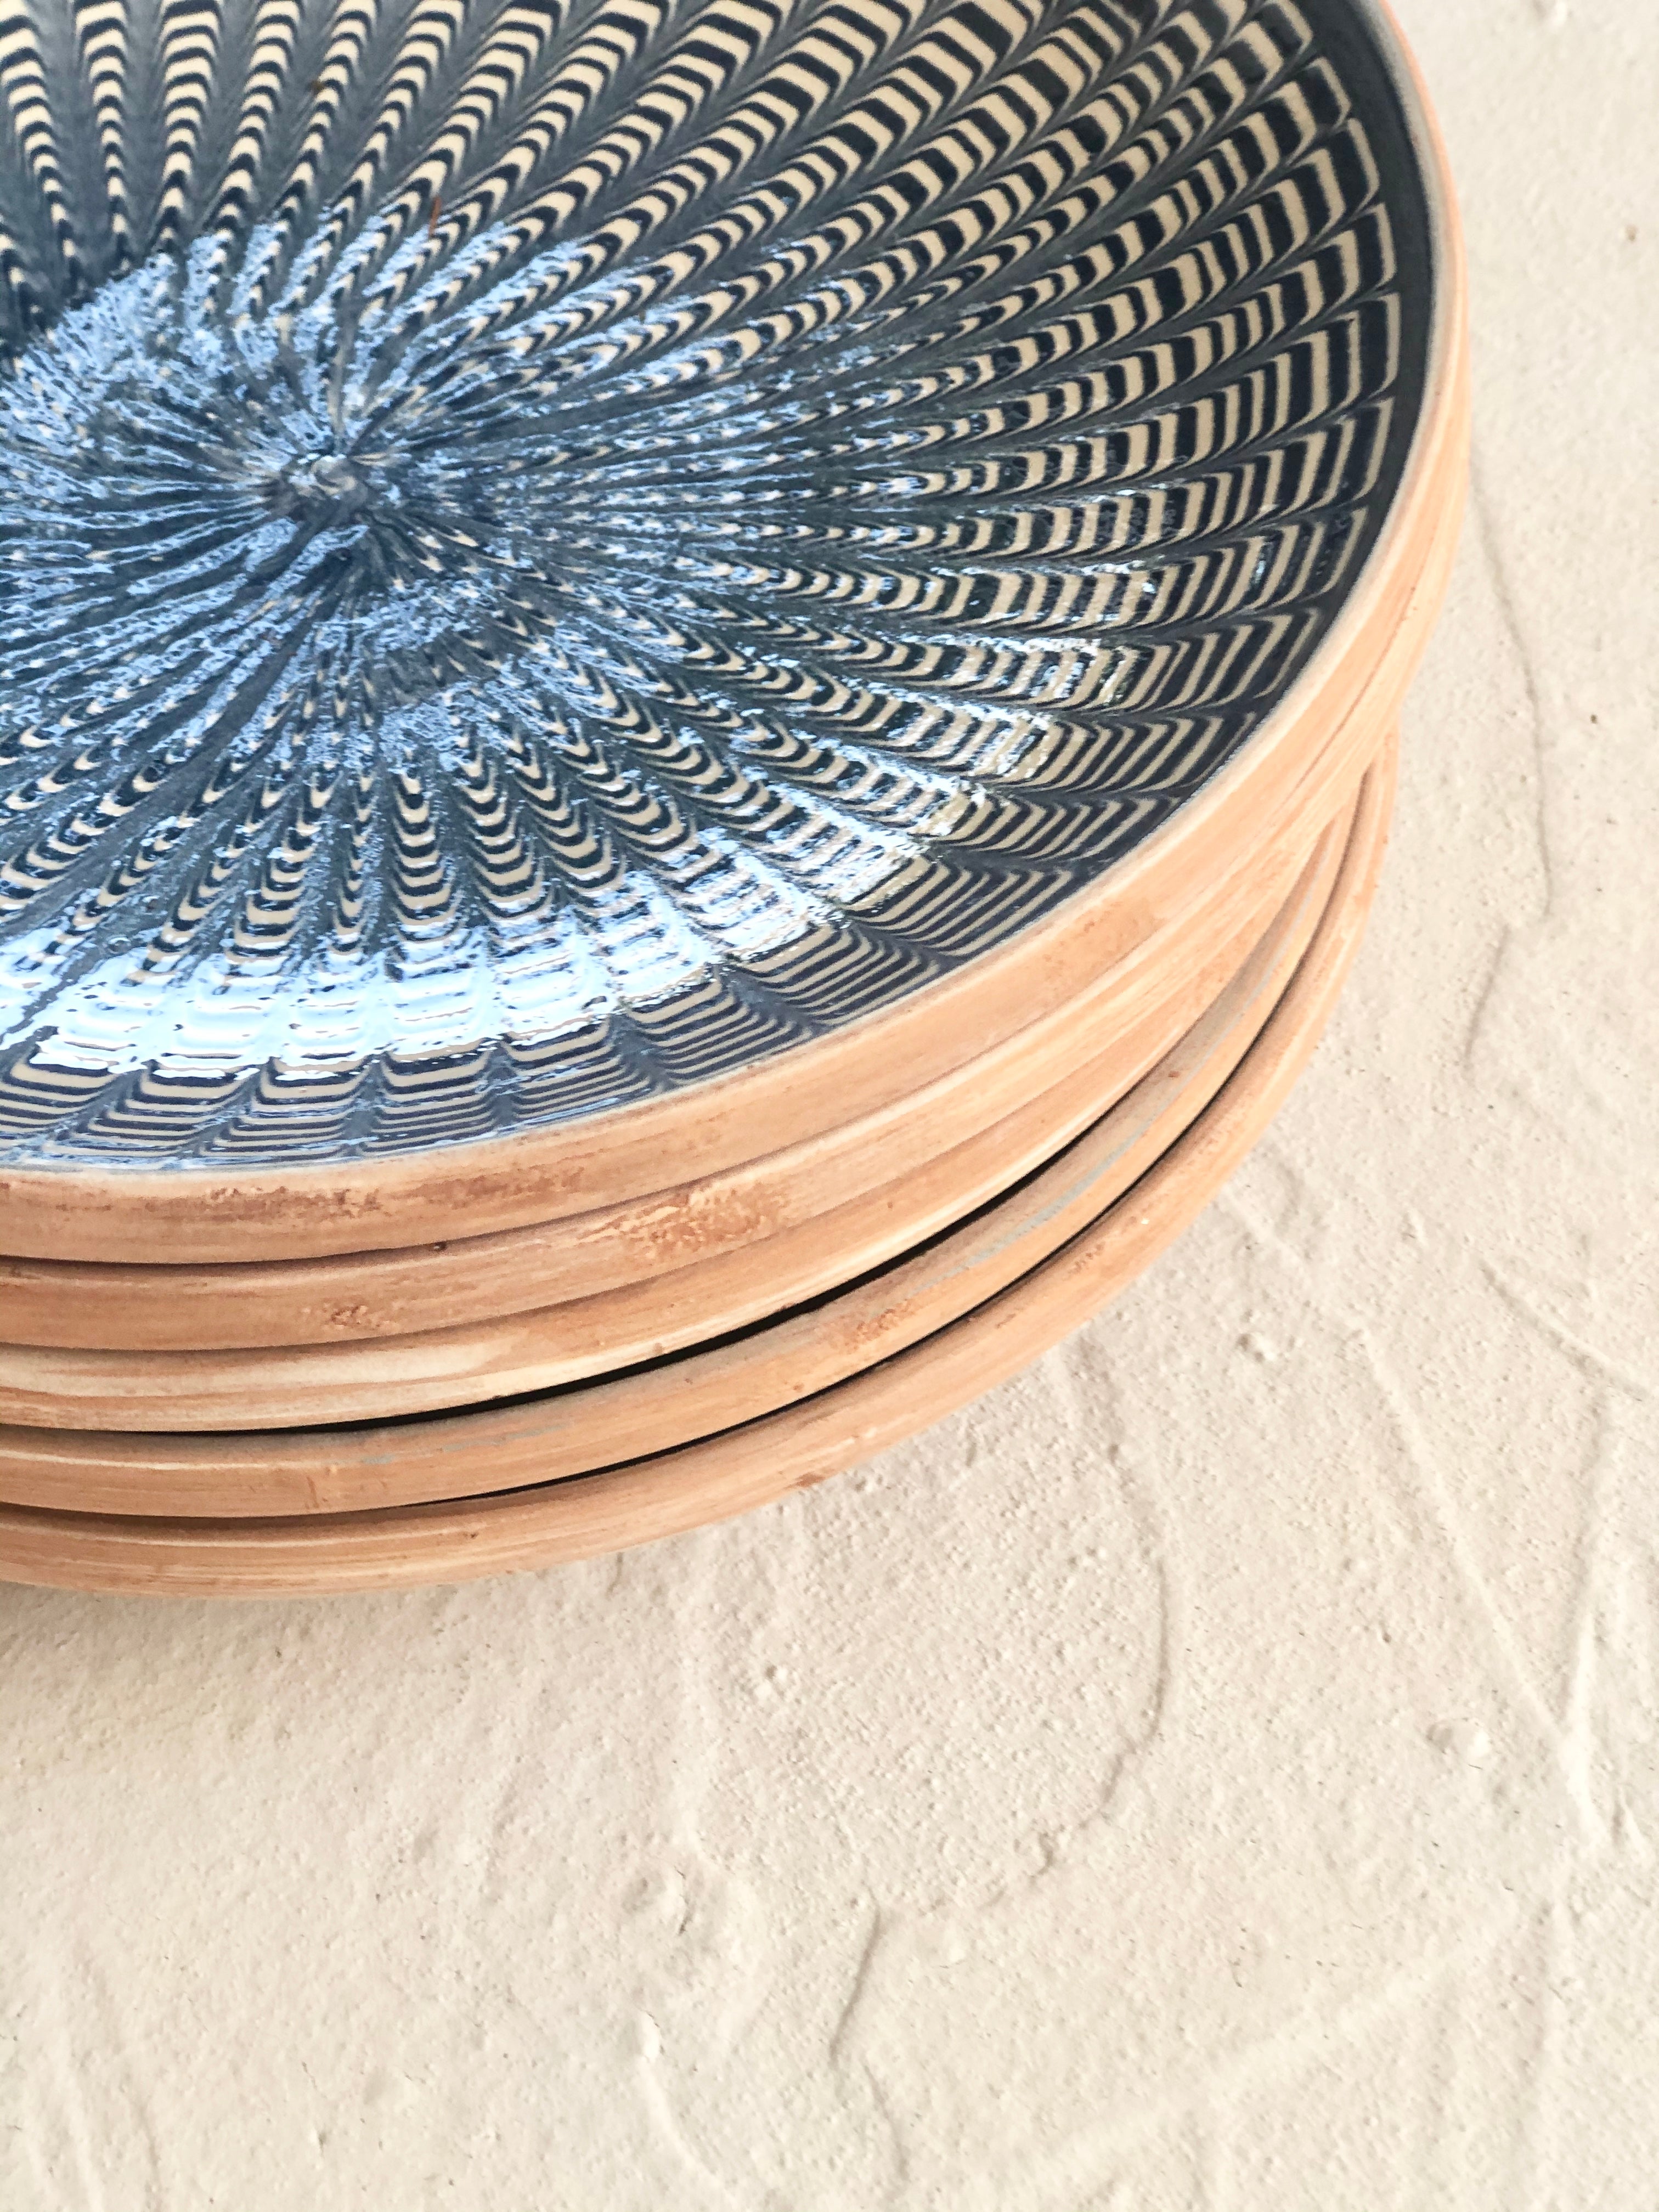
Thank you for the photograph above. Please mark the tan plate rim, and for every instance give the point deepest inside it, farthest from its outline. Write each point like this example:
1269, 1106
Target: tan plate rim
126, 1214
740, 1469
623, 1416
1012, 1168
750, 1217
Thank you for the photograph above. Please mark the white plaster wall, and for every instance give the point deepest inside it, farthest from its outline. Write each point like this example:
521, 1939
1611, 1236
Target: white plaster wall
1221, 1771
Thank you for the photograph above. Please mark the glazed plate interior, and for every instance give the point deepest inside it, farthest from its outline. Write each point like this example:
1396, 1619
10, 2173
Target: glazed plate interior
549, 552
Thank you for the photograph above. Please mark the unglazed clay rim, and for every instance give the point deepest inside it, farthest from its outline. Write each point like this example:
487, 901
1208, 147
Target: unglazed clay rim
242, 1396
733, 1473
346, 1299
498, 1183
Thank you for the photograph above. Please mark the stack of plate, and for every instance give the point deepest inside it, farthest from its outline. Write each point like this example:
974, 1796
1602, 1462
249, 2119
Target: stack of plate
697, 712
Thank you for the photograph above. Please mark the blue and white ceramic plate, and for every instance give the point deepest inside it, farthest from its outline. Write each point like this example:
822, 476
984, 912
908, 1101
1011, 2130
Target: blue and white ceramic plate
553, 549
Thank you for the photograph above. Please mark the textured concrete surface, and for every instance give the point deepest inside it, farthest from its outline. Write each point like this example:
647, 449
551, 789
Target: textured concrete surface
1220, 1771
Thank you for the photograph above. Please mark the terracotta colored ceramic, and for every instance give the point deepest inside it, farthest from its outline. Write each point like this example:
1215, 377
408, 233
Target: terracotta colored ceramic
661, 1493
448, 1369
776, 1227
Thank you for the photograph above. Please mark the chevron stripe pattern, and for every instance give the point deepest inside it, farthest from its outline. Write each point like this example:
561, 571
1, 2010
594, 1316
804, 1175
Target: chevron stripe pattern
548, 550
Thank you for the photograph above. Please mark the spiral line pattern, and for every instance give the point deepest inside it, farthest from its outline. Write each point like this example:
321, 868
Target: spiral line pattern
550, 548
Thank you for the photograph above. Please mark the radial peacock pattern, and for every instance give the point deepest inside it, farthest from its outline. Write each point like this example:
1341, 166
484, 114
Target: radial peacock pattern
549, 551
